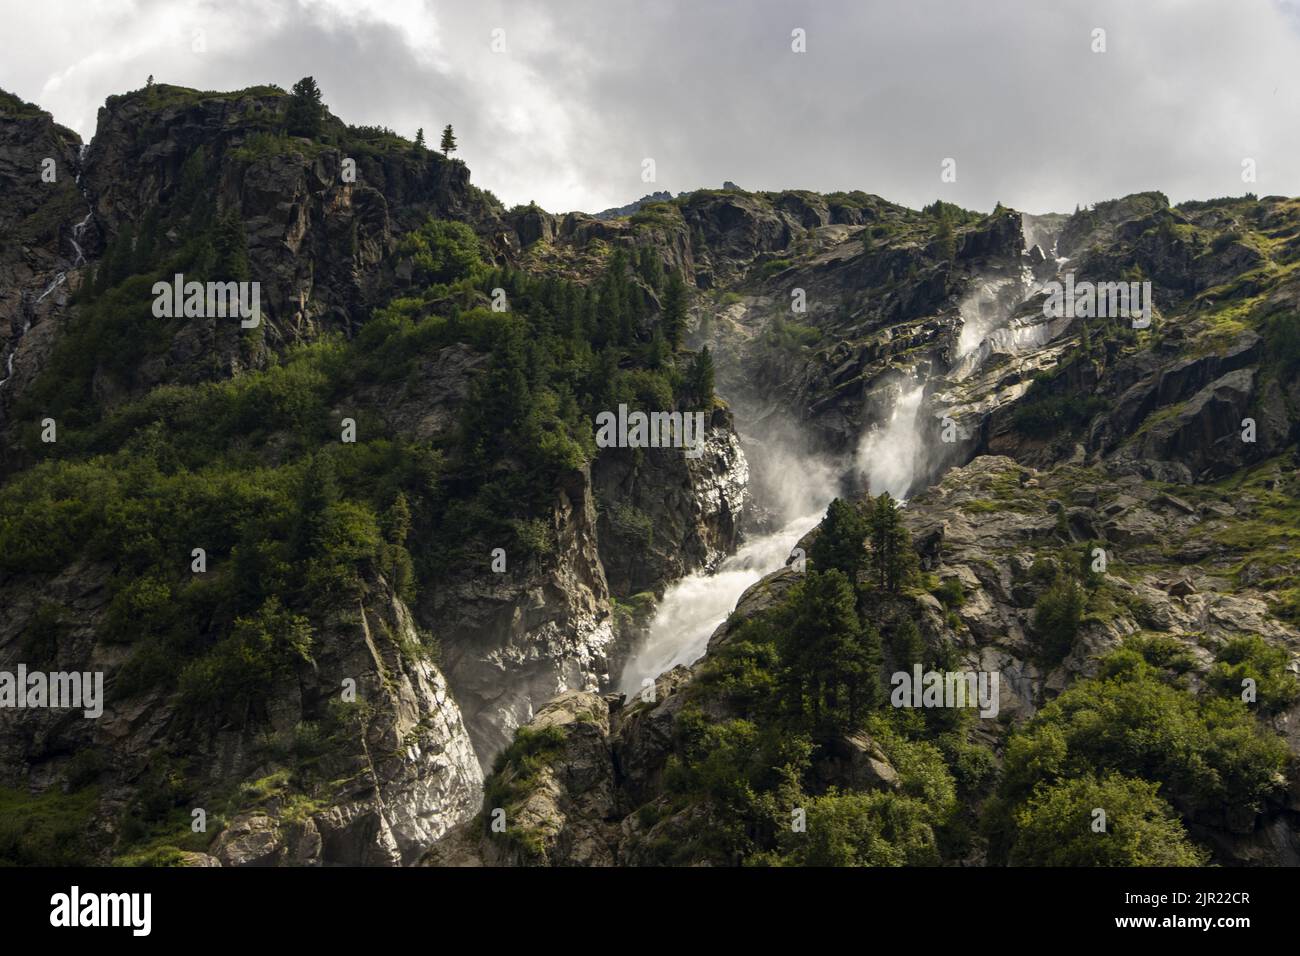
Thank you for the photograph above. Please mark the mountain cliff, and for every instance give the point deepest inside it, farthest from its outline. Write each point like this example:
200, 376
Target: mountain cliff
312, 643
362, 583
1169, 450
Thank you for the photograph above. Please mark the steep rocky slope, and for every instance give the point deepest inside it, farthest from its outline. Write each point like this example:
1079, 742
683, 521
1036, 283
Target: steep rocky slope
47, 233
595, 791
434, 683
1170, 451
335, 690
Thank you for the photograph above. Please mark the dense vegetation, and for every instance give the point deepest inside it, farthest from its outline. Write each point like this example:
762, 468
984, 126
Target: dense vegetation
293, 521
251, 468
803, 687
233, 523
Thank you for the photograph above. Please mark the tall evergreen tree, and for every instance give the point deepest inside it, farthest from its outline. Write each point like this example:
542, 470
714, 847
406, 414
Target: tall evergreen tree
232, 249
906, 645
699, 378
841, 542
830, 661
650, 268
146, 244
892, 558
121, 255
674, 310
945, 236
448, 145
318, 491
657, 352
306, 113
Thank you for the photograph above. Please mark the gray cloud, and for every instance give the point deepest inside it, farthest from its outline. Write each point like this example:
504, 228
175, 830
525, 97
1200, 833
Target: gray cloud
586, 90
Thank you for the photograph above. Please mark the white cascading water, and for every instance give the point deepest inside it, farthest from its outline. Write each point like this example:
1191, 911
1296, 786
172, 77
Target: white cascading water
13, 345
987, 323
891, 456
888, 454
692, 609
77, 231
79, 259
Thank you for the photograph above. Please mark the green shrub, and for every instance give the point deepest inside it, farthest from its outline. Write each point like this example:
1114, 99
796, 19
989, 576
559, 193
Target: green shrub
442, 252
1057, 614
950, 593
1207, 753
516, 768
244, 666
1056, 826
861, 829
47, 829
1252, 658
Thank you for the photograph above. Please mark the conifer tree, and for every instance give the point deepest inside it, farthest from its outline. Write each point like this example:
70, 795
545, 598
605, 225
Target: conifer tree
699, 378
650, 268
841, 542
892, 558
306, 113
906, 645
945, 236
831, 661
674, 310
232, 249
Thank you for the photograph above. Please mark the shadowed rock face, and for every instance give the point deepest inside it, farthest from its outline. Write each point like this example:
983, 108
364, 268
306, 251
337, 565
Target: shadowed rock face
321, 240
322, 245
44, 222
512, 646
691, 508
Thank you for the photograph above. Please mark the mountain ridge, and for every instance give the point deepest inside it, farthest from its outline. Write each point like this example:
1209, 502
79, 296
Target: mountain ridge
476, 435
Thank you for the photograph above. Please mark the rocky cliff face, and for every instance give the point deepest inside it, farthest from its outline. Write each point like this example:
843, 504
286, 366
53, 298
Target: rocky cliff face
363, 759
512, 646
664, 515
644, 519
320, 235
1170, 447
370, 750
407, 776
1170, 451
47, 234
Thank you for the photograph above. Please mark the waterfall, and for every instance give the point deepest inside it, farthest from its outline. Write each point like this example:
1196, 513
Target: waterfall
693, 607
58, 281
79, 259
894, 455
891, 455
889, 458
77, 231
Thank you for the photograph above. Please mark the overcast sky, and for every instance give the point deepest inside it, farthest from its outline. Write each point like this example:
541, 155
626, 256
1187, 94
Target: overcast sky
585, 91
